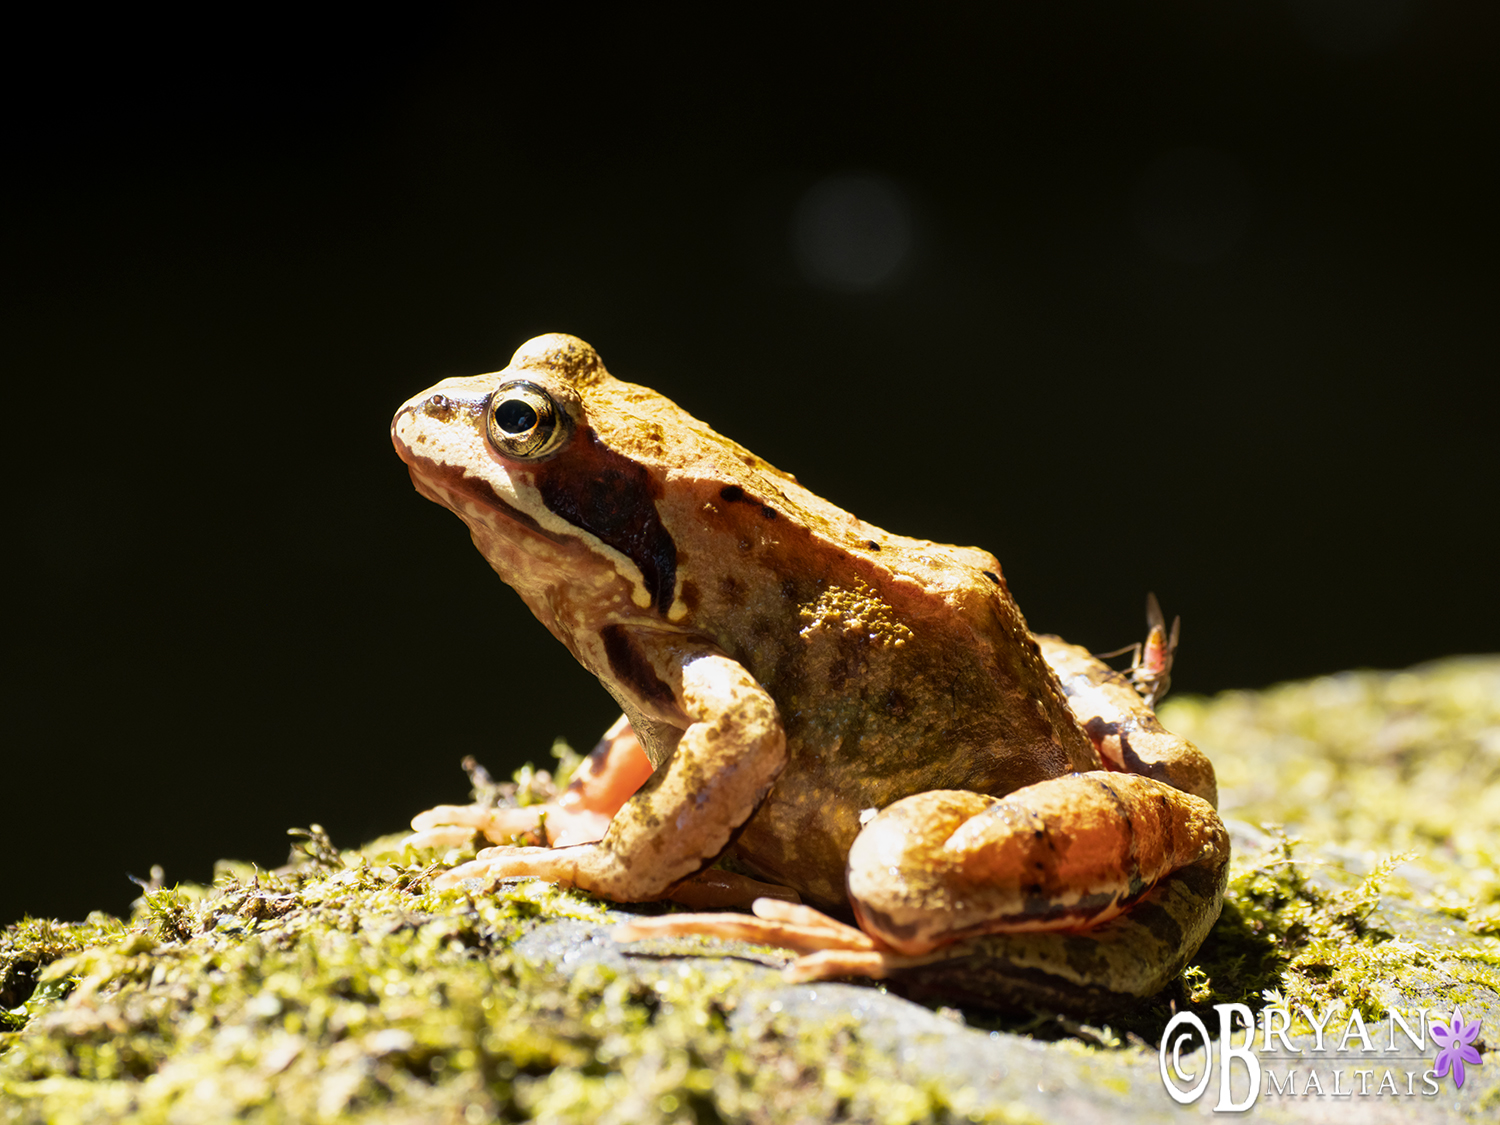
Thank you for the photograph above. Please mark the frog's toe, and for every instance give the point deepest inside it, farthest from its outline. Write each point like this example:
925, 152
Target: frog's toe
494, 864
441, 837
474, 869
497, 824
830, 964
730, 927
787, 925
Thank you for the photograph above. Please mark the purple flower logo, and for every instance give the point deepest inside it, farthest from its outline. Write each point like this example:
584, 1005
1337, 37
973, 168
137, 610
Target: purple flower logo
1455, 1037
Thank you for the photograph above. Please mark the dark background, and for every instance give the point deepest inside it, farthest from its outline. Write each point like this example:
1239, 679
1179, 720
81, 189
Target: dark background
1190, 298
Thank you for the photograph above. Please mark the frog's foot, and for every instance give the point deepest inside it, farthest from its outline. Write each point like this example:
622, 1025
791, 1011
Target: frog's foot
828, 947
582, 865
1121, 724
592, 867
453, 826
614, 770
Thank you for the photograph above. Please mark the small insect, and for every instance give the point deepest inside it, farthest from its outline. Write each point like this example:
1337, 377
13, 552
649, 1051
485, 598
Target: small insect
1151, 660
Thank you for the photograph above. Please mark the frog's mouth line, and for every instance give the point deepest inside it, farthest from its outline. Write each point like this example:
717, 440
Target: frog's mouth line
447, 484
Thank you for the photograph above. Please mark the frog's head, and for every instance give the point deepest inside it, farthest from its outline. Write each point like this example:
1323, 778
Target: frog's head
548, 462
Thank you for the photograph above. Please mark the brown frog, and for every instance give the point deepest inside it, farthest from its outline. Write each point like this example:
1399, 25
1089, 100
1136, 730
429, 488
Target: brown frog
831, 711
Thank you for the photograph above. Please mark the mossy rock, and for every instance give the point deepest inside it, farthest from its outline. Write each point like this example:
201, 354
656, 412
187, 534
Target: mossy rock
342, 988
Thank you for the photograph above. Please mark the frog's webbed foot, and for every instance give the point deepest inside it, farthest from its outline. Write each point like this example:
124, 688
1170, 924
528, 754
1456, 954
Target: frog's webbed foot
828, 948
1122, 725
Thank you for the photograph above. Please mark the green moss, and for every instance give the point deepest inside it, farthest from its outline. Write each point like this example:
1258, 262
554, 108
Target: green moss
1388, 894
344, 990
1387, 762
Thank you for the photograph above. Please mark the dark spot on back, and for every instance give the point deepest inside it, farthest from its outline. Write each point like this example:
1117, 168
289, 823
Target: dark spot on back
874, 546
895, 703
734, 494
993, 577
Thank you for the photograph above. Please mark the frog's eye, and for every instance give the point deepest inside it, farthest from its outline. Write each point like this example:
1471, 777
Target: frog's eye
525, 422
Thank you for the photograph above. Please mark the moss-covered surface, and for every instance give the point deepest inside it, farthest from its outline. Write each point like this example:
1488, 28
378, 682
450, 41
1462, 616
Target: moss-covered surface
343, 988
1377, 873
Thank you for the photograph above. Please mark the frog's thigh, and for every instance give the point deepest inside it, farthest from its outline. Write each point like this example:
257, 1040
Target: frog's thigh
1132, 956
1063, 854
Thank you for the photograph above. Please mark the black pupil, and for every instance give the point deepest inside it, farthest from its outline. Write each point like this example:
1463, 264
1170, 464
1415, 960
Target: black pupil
515, 416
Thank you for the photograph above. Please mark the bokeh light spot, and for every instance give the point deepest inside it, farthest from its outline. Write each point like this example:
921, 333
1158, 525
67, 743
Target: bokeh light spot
852, 233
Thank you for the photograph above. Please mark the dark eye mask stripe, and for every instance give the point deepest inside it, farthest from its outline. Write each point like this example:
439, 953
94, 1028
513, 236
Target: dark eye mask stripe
612, 497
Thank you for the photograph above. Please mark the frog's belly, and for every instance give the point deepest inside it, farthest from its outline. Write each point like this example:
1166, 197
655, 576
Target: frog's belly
801, 835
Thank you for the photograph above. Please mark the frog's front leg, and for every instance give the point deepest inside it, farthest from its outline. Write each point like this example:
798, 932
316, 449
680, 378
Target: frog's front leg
730, 752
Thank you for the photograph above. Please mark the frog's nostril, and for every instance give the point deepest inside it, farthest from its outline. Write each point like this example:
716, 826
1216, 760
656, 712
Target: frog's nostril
439, 406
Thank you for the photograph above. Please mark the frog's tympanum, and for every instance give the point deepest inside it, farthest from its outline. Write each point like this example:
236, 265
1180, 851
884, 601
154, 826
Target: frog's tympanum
816, 711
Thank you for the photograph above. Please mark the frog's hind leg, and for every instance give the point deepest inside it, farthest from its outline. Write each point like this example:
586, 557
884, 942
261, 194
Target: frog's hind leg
1079, 893
1065, 854
1074, 893
1122, 725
